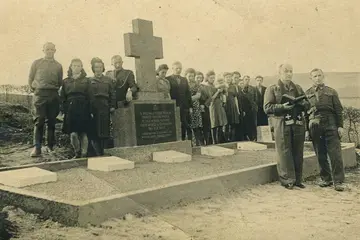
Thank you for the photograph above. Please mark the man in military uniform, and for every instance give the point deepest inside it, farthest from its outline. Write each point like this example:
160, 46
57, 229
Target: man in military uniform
289, 127
325, 126
45, 79
124, 82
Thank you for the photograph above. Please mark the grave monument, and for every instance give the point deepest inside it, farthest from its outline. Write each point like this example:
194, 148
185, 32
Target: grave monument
151, 119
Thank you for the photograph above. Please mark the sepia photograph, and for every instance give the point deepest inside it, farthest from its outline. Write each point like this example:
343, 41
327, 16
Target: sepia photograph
194, 120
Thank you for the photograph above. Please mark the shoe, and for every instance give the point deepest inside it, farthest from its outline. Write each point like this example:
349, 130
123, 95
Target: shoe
339, 187
289, 186
36, 152
300, 185
325, 183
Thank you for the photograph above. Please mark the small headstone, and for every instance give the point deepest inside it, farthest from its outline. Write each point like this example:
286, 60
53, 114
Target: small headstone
264, 134
216, 151
171, 157
26, 177
109, 164
251, 146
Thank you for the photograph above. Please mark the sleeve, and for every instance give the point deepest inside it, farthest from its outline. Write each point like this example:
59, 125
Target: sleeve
338, 110
32, 74
132, 83
91, 97
60, 75
270, 105
62, 95
112, 98
255, 99
188, 94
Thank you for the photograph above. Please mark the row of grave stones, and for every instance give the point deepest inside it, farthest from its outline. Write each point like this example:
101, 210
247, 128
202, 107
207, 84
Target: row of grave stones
34, 175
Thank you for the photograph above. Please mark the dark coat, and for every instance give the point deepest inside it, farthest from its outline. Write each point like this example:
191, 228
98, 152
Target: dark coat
76, 99
262, 119
180, 92
103, 100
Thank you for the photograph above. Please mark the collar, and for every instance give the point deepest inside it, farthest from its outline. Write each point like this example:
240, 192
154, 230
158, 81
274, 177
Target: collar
49, 60
319, 87
290, 87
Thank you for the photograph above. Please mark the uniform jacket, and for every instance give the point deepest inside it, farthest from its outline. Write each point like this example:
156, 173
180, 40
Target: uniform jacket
103, 88
45, 74
325, 103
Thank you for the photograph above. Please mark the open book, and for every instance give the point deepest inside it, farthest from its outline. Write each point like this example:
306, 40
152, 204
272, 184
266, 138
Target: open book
292, 100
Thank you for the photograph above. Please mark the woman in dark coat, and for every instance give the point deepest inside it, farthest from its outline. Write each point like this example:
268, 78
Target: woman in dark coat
76, 104
103, 104
232, 108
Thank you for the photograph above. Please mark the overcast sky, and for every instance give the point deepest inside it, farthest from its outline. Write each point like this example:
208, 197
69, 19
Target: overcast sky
253, 36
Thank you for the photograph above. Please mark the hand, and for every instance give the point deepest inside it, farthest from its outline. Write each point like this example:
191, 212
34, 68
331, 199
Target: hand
112, 110
341, 132
190, 110
287, 106
202, 107
129, 97
244, 114
307, 136
92, 115
219, 90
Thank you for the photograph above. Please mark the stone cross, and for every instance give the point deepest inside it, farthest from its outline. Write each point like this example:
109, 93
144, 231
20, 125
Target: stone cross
142, 45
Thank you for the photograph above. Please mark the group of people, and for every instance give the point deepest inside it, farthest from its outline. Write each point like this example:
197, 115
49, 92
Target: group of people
213, 109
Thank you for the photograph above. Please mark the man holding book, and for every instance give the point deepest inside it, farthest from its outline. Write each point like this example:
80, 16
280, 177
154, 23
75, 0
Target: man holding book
285, 104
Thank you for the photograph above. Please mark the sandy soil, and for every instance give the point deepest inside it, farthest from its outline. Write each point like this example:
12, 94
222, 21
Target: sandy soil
262, 212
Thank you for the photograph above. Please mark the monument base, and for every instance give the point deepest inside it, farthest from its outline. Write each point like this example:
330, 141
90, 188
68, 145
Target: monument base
146, 122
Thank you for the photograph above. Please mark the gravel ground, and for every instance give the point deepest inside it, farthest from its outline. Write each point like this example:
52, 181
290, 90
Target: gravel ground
259, 213
82, 184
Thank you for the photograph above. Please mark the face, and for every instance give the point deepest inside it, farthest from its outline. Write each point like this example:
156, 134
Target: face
246, 80
236, 78
190, 77
76, 67
286, 73
199, 78
177, 68
317, 77
117, 63
49, 50
162, 73
241, 83
259, 81
211, 79
228, 79
98, 68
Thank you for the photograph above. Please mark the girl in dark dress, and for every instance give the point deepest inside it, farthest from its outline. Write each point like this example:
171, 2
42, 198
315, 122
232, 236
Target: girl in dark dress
232, 108
103, 104
76, 104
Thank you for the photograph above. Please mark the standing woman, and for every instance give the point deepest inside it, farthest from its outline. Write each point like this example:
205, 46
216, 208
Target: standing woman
163, 85
211, 98
195, 116
76, 104
232, 108
103, 104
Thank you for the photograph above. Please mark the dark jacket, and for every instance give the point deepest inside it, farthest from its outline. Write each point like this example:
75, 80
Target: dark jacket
45, 74
180, 92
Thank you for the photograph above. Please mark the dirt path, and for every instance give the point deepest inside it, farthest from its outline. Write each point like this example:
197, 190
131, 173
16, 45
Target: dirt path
262, 212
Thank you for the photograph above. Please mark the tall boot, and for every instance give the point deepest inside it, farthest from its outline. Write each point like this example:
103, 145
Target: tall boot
215, 135
96, 146
102, 147
74, 139
38, 136
51, 137
84, 144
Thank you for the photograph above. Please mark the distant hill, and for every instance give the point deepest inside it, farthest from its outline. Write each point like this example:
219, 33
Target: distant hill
346, 83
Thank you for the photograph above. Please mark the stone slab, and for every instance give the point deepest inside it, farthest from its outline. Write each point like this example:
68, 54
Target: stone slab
171, 157
141, 202
142, 154
26, 177
264, 134
216, 151
251, 146
109, 164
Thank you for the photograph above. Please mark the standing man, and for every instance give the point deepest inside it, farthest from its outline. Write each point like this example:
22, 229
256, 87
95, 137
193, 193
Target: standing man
325, 125
250, 108
45, 80
180, 92
262, 119
124, 82
289, 128
239, 128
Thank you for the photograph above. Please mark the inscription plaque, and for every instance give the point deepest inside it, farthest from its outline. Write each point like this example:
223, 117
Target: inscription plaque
154, 123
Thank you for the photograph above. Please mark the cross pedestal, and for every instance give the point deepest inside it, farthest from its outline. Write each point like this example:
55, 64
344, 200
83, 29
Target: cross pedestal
151, 119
